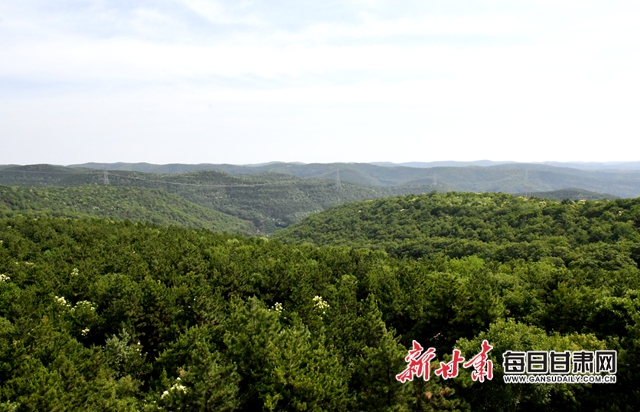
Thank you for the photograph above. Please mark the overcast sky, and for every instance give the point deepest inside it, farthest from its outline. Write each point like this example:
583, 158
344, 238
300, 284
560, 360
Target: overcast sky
195, 81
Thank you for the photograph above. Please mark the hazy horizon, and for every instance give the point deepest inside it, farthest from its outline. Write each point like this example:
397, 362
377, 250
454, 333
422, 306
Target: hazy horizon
417, 164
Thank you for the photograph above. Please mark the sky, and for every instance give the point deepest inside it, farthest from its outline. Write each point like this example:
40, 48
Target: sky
241, 82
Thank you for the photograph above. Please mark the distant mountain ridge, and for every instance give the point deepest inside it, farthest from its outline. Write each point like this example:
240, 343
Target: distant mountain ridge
267, 200
573, 165
182, 168
449, 163
274, 196
501, 177
508, 178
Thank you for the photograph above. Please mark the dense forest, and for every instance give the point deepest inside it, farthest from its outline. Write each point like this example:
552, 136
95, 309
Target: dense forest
267, 201
492, 226
100, 314
568, 194
117, 202
269, 198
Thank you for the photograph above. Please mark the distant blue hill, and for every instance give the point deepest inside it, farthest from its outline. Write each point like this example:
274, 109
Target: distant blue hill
618, 179
251, 168
448, 163
573, 165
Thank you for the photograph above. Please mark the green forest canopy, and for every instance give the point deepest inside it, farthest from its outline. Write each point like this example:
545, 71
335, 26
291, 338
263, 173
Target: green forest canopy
117, 202
493, 226
266, 201
104, 315
275, 196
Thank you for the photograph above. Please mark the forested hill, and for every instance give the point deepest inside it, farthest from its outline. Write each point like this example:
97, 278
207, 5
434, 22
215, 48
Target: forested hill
569, 194
268, 201
508, 178
492, 226
116, 316
135, 204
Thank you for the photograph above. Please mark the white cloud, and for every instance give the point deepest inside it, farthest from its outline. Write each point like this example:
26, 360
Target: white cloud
375, 29
215, 12
549, 71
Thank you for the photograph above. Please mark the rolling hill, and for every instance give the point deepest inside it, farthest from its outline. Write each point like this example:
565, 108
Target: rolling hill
268, 200
119, 203
570, 194
507, 177
284, 193
492, 226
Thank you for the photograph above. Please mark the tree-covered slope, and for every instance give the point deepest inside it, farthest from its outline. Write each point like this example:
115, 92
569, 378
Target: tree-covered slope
142, 205
104, 315
508, 178
276, 200
44, 175
493, 226
570, 194
270, 201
